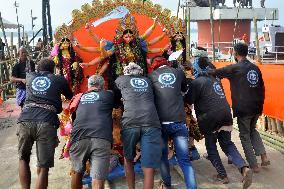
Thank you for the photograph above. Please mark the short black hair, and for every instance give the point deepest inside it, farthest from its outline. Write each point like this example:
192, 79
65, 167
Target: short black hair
203, 62
46, 64
201, 48
241, 49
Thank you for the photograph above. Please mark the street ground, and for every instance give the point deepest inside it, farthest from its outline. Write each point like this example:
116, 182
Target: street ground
268, 178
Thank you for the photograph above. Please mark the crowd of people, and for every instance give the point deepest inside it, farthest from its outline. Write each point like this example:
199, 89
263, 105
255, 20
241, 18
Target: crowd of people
153, 108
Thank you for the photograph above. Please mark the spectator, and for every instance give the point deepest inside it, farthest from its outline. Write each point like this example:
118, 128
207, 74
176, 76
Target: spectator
39, 45
2, 53
23, 66
38, 122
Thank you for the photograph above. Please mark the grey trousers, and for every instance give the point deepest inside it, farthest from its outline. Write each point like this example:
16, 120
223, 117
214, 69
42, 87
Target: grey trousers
250, 139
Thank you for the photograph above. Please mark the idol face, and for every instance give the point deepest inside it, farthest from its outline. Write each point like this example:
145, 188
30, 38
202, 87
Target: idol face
65, 43
127, 36
178, 36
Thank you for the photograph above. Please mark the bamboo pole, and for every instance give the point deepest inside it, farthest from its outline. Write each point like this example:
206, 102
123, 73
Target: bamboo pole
44, 23
49, 21
256, 41
4, 34
188, 31
212, 29
178, 8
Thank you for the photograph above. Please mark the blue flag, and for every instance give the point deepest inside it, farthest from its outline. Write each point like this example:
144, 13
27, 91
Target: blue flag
116, 13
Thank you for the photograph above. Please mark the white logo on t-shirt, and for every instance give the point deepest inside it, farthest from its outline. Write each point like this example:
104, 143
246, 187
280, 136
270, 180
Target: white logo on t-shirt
41, 84
218, 89
138, 83
252, 77
90, 98
167, 79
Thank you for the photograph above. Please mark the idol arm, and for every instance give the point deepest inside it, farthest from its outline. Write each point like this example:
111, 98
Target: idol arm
156, 39
150, 30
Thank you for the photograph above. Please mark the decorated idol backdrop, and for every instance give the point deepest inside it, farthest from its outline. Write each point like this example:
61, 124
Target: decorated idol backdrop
99, 32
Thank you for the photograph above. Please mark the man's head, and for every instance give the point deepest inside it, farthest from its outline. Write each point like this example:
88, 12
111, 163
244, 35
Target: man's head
201, 66
199, 52
158, 61
96, 81
23, 54
240, 51
46, 64
132, 69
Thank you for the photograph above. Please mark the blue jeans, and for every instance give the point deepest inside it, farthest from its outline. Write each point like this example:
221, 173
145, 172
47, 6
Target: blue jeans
179, 133
150, 141
228, 147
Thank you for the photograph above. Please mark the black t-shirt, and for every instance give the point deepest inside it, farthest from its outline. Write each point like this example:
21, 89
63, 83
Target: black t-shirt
247, 87
168, 84
20, 70
210, 104
138, 101
93, 117
44, 88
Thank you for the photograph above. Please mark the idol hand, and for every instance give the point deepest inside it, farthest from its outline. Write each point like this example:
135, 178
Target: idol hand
84, 65
167, 46
166, 31
156, 19
88, 26
102, 43
75, 42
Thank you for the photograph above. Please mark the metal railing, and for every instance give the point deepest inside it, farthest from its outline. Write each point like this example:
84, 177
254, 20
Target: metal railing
223, 50
272, 57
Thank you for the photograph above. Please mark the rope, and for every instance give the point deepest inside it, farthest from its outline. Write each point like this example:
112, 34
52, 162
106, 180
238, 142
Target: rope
238, 11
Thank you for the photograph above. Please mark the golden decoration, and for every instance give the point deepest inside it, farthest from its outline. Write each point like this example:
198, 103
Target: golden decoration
177, 25
128, 22
100, 8
62, 32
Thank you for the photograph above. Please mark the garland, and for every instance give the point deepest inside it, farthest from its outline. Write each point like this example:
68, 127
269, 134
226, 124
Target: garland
123, 57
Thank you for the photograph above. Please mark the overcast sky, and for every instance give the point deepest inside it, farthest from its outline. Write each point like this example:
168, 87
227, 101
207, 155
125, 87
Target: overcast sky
61, 9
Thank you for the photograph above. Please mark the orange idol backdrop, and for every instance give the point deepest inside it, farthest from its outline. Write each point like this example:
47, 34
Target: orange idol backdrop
273, 76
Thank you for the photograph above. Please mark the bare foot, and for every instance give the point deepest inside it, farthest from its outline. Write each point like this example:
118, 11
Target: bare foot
247, 177
256, 169
223, 180
170, 154
264, 160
